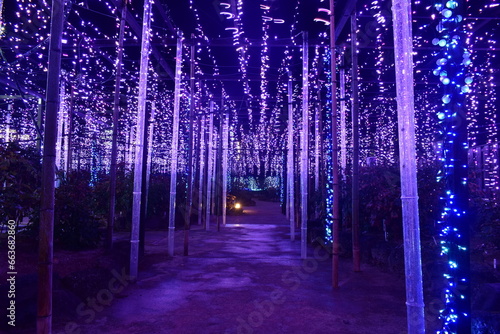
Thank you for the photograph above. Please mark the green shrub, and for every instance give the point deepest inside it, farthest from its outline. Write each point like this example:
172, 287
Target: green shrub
76, 225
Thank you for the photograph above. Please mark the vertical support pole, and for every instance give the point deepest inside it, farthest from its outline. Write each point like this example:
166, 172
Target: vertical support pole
290, 161
403, 50
145, 182
202, 170
60, 124
39, 117
69, 152
304, 146
114, 140
356, 255
175, 147
46, 234
317, 139
343, 122
210, 164
7, 121
335, 156
225, 153
139, 148
189, 180
147, 174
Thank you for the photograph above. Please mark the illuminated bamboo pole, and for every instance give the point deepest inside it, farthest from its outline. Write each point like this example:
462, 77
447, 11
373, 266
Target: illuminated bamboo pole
175, 147
403, 50
8, 119
60, 125
343, 126
46, 231
149, 152
202, 170
335, 156
189, 165
304, 146
66, 135
139, 147
114, 139
225, 153
356, 255
316, 144
39, 124
290, 161
210, 165
69, 152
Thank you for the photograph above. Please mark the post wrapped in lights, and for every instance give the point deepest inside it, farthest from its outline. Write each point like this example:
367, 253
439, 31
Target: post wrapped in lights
174, 147
210, 165
304, 147
225, 156
451, 69
47, 200
139, 148
403, 54
290, 160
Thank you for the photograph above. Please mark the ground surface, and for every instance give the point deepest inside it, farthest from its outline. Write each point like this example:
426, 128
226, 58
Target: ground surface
246, 278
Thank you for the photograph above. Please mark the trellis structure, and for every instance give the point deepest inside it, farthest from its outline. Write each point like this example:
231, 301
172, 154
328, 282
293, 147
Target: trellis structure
245, 116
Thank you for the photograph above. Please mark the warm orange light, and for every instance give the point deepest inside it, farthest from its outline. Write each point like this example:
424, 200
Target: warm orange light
237, 206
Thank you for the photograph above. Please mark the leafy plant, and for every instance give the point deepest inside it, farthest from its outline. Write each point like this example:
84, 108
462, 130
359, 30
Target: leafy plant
76, 224
20, 171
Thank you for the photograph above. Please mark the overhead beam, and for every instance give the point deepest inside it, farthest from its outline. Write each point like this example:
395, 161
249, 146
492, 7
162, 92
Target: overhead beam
137, 29
346, 15
27, 91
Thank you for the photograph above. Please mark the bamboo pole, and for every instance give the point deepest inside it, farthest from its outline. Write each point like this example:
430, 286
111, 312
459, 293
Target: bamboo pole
335, 159
343, 121
60, 125
304, 146
210, 164
8, 120
403, 50
356, 255
201, 180
46, 233
189, 180
139, 148
225, 153
39, 117
316, 143
174, 147
290, 161
148, 141
69, 140
114, 140
149, 159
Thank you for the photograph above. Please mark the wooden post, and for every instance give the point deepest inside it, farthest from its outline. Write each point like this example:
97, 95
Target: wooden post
139, 148
335, 159
46, 234
356, 255
304, 146
175, 147
114, 140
